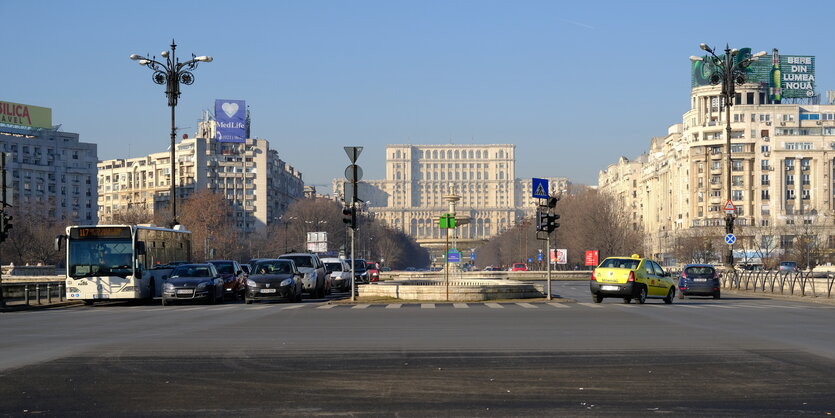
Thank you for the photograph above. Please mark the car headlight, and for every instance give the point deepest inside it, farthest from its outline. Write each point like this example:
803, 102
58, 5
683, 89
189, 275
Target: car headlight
168, 286
250, 283
286, 282
202, 286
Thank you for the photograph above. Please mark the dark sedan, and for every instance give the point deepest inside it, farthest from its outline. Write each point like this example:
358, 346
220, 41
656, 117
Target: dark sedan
277, 279
699, 280
193, 282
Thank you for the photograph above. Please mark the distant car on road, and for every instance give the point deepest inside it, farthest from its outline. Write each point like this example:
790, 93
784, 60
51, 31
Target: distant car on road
234, 278
276, 279
314, 280
373, 271
788, 267
360, 271
631, 278
492, 268
519, 267
193, 282
699, 280
339, 272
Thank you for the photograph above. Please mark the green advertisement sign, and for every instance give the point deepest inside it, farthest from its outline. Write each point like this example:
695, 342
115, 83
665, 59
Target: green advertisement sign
787, 76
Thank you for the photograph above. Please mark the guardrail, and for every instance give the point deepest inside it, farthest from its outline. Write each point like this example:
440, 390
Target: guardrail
27, 294
804, 283
479, 275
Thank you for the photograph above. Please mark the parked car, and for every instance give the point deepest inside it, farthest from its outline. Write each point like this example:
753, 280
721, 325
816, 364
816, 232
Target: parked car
699, 280
275, 279
360, 271
788, 267
492, 268
234, 278
519, 267
193, 282
246, 268
373, 269
631, 278
314, 280
339, 272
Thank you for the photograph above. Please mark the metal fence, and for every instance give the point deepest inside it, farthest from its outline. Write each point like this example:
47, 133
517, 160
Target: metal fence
40, 293
803, 283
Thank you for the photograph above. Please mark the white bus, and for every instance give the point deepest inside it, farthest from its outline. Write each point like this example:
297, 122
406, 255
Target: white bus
121, 262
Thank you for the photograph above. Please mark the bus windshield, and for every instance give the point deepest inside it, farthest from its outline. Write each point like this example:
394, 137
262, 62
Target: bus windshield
100, 257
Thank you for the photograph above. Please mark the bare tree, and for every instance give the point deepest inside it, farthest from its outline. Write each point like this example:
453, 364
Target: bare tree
208, 216
132, 216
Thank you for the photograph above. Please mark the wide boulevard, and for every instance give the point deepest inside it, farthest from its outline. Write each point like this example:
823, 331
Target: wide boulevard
742, 355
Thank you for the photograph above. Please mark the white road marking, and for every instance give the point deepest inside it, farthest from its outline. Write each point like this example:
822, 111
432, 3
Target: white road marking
493, 305
362, 306
527, 305
460, 305
427, 306
394, 306
558, 305
591, 305
330, 306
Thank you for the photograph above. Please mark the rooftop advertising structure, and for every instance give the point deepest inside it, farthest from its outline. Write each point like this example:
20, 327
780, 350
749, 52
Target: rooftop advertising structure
230, 116
787, 76
25, 115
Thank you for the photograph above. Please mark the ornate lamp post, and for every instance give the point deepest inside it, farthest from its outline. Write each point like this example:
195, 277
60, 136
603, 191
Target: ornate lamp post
728, 71
172, 72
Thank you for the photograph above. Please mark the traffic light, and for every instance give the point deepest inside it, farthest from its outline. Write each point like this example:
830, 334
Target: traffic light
349, 217
551, 223
5, 226
541, 220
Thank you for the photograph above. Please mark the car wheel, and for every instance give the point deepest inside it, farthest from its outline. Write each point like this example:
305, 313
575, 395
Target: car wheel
222, 296
670, 296
717, 295
597, 298
642, 295
627, 300
249, 301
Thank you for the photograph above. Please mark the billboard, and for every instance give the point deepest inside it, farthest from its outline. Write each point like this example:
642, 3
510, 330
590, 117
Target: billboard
789, 76
230, 116
25, 115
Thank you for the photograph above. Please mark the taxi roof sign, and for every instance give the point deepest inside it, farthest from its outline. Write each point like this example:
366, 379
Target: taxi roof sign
729, 206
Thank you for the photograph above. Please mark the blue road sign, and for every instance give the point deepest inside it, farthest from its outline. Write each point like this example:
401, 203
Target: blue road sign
530, 260
454, 256
540, 188
539, 257
472, 256
730, 239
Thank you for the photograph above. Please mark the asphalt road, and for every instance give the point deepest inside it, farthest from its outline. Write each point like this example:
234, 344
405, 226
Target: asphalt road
737, 356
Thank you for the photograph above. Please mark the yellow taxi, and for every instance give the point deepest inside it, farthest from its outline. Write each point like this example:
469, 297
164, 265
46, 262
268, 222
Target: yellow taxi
631, 278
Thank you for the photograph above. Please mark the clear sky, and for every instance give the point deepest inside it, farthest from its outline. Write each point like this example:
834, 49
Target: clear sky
574, 85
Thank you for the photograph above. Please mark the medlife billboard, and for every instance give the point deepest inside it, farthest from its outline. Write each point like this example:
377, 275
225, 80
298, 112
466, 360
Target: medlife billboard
230, 116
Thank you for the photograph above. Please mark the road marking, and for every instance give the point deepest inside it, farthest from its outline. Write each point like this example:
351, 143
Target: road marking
293, 307
220, 308
427, 306
189, 309
331, 306
493, 305
394, 306
264, 306
690, 306
460, 305
362, 306
527, 305
591, 305
558, 305
724, 306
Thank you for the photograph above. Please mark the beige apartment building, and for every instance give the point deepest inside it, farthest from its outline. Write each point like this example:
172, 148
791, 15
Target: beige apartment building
253, 178
783, 163
421, 178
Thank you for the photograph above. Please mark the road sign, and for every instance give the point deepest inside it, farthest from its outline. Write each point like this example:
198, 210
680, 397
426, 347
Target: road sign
349, 173
562, 256
472, 256
446, 221
363, 191
540, 188
539, 257
592, 257
454, 256
730, 239
353, 153
729, 207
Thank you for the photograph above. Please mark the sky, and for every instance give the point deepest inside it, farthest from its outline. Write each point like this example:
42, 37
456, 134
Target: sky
574, 85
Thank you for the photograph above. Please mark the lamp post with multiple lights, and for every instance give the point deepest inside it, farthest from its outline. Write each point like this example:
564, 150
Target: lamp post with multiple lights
728, 70
172, 72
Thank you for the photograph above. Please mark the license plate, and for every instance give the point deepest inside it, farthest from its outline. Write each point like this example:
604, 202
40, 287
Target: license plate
699, 280
184, 291
267, 290
609, 287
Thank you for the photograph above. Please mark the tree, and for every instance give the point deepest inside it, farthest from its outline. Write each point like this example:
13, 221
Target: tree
132, 216
209, 218
31, 240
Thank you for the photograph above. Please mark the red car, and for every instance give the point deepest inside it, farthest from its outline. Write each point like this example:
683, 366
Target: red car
234, 278
373, 271
519, 267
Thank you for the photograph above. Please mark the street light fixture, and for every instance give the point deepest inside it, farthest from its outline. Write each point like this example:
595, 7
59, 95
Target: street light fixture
728, 71
172, 72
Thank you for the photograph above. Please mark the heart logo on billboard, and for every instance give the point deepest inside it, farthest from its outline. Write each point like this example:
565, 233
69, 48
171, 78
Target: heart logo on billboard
230, 109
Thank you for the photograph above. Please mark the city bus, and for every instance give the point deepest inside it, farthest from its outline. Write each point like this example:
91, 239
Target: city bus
121, 262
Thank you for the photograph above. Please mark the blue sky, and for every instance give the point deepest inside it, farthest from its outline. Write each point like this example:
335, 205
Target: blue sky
573, 85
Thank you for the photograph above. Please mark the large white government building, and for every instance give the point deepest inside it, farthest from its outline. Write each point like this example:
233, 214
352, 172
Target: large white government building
252, 177
782, 171
421, 179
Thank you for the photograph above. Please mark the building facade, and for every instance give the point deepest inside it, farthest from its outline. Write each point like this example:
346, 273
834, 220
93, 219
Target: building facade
50, 170
421, 180
782, 171
252, 177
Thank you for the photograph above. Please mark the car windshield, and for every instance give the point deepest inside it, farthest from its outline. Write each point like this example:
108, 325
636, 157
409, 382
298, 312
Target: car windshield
331, 267
300, 260
699, 271
224, 268
274, 267
517, 265
621, 263
191, 271
360, 265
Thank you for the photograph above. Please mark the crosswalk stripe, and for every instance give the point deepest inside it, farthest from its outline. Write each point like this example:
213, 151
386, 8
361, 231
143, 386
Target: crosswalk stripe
427, 306
266, 306
526, 305
460, 305
221, 308
558, 305
361, 306
394, 306
326, 306
293, 307
590, 305
690, 306
725, 306
493, 305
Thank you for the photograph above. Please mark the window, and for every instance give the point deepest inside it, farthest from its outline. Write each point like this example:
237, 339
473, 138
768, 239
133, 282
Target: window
805, 194
805, 179
764, 148
789, 164
737, 195
764, 180
737, 181
737, 148
799, 146
764, 165
736, 165
789, 179
805, 164
716, 165
786, 241
790, 194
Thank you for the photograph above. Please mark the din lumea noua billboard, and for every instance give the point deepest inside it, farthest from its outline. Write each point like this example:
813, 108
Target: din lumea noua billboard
787, 76
25, 115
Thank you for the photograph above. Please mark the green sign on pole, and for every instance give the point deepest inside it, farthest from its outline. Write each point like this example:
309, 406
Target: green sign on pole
447, 221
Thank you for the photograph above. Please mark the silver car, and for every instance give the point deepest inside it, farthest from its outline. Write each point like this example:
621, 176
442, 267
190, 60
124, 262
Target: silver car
339, 272
314, 279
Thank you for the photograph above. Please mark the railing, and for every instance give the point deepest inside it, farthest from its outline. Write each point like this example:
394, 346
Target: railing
804, 283
27, 294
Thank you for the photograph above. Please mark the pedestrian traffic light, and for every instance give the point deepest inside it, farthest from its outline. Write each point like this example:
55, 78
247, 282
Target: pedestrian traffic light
551, 223
541, 220
349, 217
5, 226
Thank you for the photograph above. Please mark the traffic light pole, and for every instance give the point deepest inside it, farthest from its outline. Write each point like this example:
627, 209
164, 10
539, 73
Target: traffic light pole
548, 255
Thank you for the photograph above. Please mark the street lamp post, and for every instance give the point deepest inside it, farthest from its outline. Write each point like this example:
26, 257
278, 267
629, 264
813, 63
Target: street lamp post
172, 72
728, 71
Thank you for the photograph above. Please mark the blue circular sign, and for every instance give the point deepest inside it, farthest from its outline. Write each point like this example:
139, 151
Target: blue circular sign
730, 239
